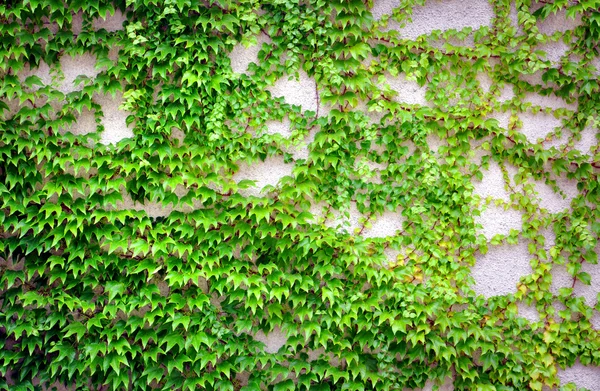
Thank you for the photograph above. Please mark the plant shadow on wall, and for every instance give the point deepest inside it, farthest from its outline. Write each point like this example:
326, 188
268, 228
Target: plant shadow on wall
385, 204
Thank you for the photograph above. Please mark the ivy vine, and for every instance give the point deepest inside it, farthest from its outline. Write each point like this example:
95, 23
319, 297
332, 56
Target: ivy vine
96, 296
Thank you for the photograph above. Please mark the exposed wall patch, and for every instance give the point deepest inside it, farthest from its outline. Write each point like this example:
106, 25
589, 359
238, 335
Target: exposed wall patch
498, 272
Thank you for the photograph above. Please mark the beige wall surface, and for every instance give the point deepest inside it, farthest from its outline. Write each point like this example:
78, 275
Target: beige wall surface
495, 273
498, 271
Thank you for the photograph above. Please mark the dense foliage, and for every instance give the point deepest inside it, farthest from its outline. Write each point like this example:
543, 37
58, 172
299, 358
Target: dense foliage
92, 294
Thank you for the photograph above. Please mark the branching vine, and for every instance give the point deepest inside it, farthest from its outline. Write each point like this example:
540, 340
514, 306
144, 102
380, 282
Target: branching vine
96, 294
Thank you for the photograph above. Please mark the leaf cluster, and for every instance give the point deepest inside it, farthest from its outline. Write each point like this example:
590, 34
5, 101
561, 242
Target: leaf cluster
96, 291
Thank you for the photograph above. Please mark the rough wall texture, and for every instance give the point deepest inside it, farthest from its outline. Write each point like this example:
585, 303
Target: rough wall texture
496, 273
499, 271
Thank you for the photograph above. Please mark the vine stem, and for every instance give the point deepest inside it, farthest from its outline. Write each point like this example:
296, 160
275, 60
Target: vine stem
318, 100
593, 164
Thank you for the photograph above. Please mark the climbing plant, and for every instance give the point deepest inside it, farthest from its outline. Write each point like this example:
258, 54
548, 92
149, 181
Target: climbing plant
94, 295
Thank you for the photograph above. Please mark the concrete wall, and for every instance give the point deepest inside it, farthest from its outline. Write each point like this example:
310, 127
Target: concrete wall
497, 272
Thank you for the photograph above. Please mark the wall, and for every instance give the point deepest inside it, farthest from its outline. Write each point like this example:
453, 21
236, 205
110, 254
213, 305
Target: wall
496, 273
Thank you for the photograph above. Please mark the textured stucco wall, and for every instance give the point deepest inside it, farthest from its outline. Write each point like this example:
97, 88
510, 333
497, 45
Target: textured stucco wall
496, 272
499, 271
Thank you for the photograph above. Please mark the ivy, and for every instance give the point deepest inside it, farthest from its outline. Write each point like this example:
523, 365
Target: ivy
94, 295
